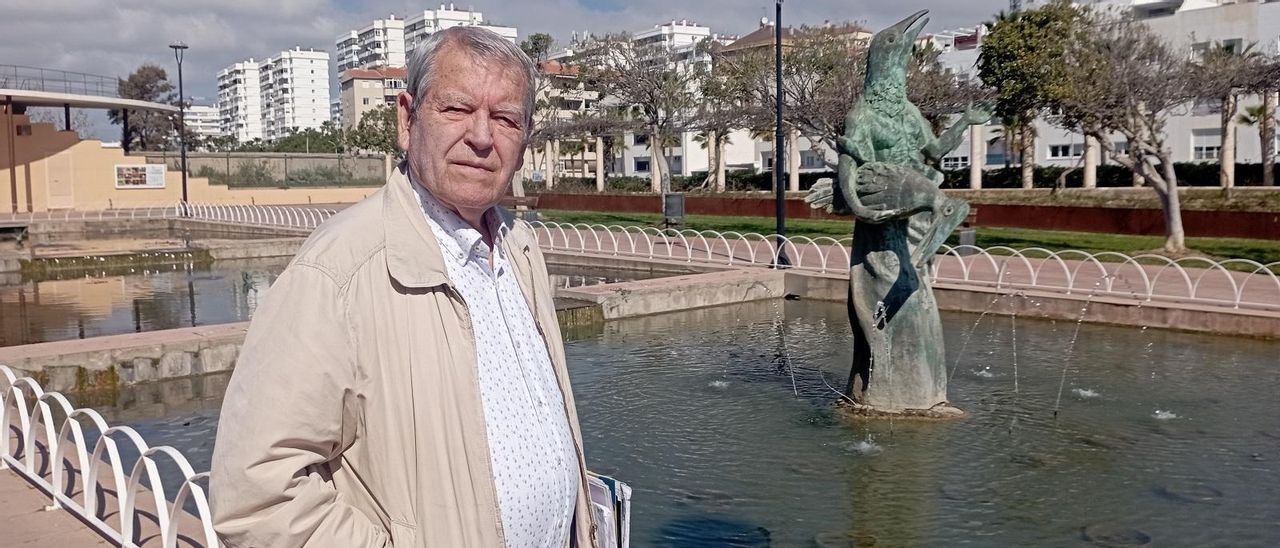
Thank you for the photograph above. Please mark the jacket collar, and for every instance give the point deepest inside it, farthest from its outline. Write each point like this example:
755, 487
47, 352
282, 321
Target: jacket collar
414, 258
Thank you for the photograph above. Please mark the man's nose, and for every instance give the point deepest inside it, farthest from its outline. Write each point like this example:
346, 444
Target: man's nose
480, 134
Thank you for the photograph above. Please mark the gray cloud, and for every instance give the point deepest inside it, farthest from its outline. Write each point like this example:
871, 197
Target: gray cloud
113, 38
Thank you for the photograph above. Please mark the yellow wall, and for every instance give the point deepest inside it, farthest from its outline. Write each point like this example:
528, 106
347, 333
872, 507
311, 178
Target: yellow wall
65, 172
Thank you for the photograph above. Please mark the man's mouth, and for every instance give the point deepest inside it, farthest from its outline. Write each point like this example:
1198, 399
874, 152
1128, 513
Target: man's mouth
473, 165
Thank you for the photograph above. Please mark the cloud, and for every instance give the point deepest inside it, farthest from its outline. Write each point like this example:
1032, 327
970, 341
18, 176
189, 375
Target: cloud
114, 38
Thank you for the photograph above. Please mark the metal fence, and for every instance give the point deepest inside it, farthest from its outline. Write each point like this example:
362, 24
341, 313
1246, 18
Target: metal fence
57, 81
286, 216
48, 430
278, 169
304, 217
1232, 283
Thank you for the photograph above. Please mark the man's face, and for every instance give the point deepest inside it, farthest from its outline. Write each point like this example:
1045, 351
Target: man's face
467, 138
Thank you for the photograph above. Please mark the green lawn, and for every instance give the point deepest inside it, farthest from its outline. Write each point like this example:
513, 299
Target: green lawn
1263, 251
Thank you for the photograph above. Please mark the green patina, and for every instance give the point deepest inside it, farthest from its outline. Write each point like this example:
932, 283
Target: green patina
901, 219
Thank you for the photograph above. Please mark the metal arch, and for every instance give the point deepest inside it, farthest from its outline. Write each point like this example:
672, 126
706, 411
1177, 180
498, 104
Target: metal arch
1186, 278
72, 423
1260, 268
1075, 274
203, 512
1142, 271
539, 230
835, 244
1050, 257
995, 267
18, 401
949, 252
564, 236
1112, 275
117, 469
727, 248
733, 248
653, 240
631, 240
613, 240
1235, 288
164, 513
584, 227
43, 415
688, 252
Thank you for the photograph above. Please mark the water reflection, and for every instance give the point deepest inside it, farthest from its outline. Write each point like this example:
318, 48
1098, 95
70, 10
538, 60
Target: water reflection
162, 297
58, 307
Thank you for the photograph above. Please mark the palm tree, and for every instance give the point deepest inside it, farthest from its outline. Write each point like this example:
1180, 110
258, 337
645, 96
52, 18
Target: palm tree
1257, 115
714, 155
1224, 71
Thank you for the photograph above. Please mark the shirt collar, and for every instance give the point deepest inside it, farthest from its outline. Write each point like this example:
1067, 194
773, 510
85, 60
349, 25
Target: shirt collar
464, 241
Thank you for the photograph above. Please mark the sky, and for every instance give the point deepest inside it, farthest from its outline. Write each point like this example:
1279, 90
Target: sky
113, 37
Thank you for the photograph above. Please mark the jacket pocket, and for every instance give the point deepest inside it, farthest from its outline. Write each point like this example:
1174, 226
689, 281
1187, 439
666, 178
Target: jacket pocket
403, 535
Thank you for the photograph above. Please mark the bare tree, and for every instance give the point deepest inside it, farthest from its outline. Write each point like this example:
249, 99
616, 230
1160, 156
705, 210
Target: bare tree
80, 121
658, 81
1123, 79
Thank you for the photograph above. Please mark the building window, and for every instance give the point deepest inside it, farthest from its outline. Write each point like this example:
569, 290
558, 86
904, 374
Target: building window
642, 165
1206, 106
955, 162
366, 100
1073, 150
640, 139
810, 159
1206, 144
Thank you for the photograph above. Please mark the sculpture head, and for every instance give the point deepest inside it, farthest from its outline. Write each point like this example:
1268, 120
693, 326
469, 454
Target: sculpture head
891, 50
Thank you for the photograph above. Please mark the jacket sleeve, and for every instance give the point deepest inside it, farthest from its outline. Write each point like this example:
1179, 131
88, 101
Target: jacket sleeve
282, 419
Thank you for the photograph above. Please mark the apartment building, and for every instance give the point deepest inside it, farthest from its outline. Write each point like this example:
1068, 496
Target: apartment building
362, 90
419, 25
1195, 134
204, 121
294, 86
239, 101
378, 44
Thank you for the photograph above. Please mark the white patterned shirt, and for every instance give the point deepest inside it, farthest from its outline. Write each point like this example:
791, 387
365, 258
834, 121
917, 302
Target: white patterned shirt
535, 464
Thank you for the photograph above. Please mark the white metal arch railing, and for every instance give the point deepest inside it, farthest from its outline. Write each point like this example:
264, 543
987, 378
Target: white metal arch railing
1233, 283
24, 405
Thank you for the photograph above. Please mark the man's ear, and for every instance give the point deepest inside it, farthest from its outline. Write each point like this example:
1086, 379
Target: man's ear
404, 118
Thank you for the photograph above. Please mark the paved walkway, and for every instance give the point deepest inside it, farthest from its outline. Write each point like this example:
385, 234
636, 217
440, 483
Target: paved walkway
25, 522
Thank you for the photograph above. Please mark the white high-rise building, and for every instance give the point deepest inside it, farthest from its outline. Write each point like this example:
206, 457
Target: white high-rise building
378, 44
295, 91
204, 121
418, 26
240, 101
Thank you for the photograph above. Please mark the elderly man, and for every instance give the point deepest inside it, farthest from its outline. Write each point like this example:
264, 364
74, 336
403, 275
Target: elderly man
404, 382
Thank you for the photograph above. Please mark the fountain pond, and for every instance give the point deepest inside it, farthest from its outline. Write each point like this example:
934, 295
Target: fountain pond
723, 422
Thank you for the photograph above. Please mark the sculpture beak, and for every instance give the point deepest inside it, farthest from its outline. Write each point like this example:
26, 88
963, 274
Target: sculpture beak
912, 25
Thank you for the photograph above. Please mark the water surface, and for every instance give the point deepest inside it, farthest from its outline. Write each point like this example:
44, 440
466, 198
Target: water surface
1166, 438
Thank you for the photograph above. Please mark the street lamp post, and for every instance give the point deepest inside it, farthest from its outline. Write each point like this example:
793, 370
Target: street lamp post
779, 146
179, 48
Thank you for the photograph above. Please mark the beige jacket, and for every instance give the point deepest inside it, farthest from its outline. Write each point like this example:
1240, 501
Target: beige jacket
354, 418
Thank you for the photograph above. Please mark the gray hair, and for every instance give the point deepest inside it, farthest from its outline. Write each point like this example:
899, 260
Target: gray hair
485, 45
